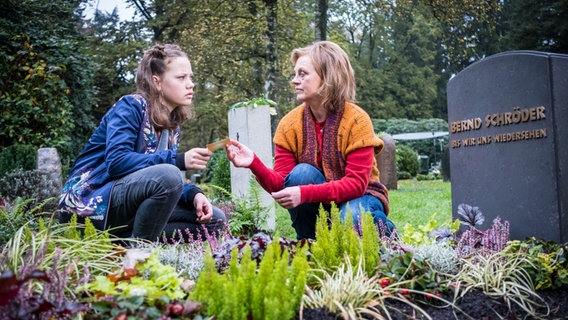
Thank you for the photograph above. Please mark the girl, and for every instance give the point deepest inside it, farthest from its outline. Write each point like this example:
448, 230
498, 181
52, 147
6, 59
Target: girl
127, 178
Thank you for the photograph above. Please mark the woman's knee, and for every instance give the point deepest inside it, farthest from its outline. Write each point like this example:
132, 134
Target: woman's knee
304, 174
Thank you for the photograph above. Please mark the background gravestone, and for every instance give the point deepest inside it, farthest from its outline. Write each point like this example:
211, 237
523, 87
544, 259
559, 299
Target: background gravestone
386, 163
508, 141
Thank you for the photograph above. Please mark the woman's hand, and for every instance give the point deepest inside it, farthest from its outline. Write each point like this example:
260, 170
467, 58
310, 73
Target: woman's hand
203, 208
288, 198
196, 158
239, 154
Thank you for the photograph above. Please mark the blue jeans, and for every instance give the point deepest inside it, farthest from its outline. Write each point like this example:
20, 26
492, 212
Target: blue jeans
305, 215
144, 205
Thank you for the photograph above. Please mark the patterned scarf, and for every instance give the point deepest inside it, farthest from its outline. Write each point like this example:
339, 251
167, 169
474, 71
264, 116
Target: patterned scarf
332, 161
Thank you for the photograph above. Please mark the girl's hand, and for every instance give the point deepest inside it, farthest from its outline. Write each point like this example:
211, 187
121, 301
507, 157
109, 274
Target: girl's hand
239, 154
288, 198
196, 158
203, 208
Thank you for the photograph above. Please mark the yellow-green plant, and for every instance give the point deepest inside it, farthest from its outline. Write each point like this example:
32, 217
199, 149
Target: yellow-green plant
347, 291
351, 293
422, 234
549, 261
274, 291
501, 276
341, 239
141, 275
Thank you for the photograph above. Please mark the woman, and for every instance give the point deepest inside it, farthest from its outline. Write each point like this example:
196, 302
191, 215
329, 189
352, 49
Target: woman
127, 178
325, 148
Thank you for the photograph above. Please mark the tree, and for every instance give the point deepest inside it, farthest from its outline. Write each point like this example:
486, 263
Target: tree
536, 25
116, 47
45, 78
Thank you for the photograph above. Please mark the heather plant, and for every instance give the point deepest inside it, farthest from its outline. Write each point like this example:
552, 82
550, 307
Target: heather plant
271, 289
185, 258
548, 267
475, 242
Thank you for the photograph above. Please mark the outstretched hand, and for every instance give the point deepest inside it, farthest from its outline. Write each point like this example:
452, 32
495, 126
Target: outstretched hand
239, 154
196, 158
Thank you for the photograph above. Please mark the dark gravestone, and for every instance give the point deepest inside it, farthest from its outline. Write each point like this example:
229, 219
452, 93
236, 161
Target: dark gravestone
508, 141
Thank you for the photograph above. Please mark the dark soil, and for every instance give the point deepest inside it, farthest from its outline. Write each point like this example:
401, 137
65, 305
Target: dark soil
474, 305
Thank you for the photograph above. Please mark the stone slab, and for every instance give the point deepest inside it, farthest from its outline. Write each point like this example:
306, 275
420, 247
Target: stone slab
508, 156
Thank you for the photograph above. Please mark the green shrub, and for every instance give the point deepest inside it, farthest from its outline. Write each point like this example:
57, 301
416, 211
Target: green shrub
341, 239
17, 156
35, 185
218, 172
274, 292
407, 160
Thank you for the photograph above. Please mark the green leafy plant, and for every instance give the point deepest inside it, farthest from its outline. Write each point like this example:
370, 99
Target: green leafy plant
425, 233
274, 292
142, 274
548, 266
407, 160
411, 272
246, 216
20, 213
254, 102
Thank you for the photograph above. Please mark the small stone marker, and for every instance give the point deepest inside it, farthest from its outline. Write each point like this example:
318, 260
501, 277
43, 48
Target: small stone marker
509, 142
251, 126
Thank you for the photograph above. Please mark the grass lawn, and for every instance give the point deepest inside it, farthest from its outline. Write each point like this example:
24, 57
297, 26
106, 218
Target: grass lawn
412, 203
416, 204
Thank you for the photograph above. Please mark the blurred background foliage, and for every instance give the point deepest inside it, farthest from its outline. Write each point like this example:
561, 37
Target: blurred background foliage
61, 69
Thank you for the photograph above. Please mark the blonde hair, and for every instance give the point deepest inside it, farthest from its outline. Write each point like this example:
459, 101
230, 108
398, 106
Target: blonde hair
334, 68
154, 63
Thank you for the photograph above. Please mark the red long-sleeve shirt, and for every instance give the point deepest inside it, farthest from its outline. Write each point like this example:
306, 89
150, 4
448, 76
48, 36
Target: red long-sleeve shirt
357, 175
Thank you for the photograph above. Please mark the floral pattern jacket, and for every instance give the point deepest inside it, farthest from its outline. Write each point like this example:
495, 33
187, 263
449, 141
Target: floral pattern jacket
124, 142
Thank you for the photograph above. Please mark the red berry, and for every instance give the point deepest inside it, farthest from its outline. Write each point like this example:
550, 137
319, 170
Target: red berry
384, 282
176, 309
122, 316
404, 291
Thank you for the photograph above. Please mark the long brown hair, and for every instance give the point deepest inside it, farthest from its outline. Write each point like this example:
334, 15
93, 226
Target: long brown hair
154, 63
334, 68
